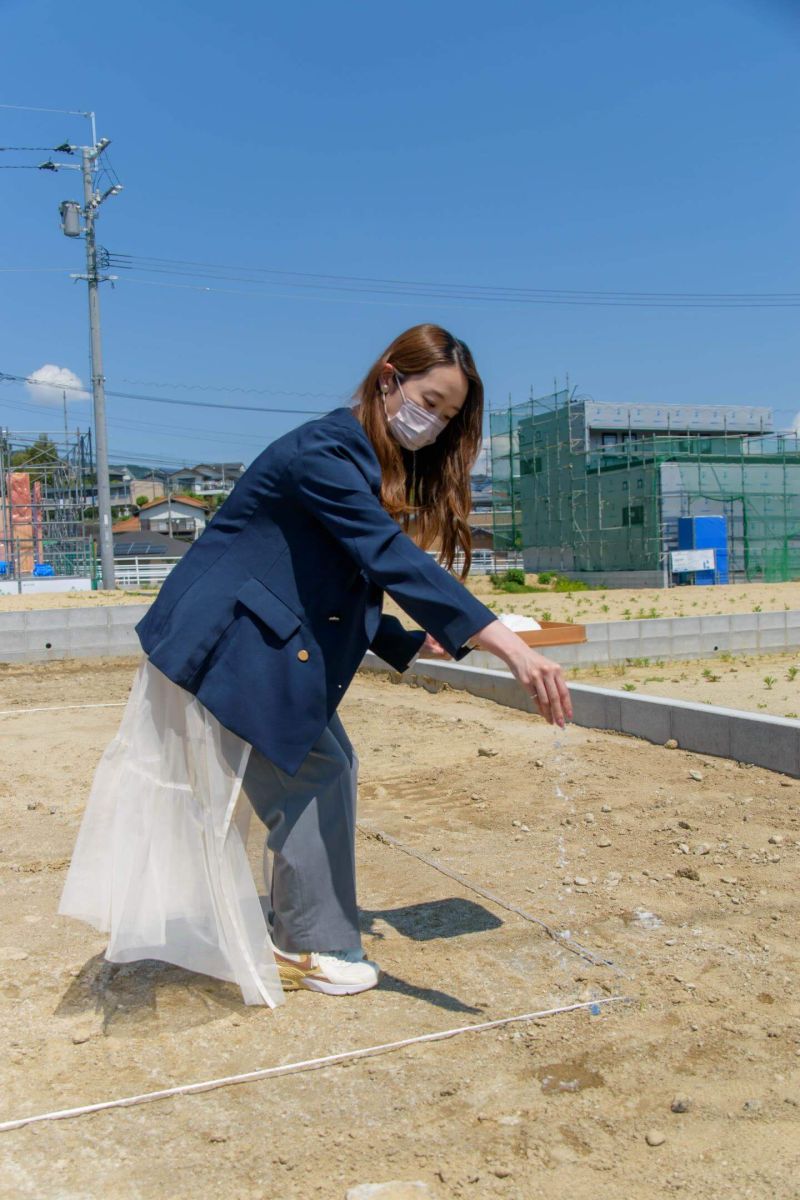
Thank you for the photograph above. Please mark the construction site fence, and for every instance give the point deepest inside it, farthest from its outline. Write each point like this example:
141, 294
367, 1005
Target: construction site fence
577, 507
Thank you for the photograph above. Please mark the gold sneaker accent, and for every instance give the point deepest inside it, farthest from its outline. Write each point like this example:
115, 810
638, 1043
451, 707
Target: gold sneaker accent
293, 973
333, 974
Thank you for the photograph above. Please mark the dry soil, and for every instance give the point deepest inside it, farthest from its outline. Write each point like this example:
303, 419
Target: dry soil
679, 870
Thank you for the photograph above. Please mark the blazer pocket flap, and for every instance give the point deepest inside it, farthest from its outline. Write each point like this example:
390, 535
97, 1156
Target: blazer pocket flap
269, 608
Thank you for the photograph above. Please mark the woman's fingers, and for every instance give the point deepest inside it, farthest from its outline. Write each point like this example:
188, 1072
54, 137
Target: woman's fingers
548, 688
542, 699
556, 709
566, 699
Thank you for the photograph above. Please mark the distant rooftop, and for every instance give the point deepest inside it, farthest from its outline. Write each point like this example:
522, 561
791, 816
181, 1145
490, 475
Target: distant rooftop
176, 498
708, 418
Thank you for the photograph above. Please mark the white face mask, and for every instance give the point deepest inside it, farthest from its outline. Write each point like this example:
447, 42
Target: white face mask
412, 425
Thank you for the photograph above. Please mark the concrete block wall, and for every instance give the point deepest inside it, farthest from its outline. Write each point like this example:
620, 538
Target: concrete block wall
771, 742
609, 580
76, 632
53, 633
672, 637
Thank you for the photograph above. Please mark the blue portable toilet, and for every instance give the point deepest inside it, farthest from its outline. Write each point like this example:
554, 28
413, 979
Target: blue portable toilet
706, 533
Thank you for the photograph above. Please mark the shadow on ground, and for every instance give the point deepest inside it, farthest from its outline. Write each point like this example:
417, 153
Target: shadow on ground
432, 919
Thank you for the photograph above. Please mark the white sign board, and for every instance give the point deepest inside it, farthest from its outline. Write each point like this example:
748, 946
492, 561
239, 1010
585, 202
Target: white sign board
692, 560
9, 587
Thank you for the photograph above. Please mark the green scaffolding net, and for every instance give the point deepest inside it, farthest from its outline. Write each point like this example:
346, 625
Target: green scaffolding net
575, 506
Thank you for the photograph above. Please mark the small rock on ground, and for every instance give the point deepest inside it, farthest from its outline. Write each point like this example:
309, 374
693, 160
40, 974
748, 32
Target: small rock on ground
654, 1137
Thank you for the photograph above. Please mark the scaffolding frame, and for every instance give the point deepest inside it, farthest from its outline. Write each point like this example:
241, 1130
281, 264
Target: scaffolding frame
590, 509
44, 504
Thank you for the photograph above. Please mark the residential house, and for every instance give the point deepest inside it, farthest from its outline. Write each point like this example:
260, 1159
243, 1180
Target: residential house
206, 479
177, 516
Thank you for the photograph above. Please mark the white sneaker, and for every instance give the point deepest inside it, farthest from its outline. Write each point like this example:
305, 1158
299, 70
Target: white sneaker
337, 973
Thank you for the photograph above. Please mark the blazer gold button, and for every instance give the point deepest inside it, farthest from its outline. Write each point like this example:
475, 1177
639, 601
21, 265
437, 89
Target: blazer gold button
302, 655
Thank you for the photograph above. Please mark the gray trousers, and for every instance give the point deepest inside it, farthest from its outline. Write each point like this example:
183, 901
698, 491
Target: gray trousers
311, 821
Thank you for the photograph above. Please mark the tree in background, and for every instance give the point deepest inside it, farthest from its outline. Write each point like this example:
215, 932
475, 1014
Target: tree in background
37, 460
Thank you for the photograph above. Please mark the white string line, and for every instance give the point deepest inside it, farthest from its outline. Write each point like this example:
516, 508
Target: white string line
567, 943
379, 835
308, 1064
15, 712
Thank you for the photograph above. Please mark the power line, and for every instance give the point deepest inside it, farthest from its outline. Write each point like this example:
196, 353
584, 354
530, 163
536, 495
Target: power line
396, 291
224, 387
68, 112
465, 301
443, 290
200, 287
7, 377
145, 457
23, 270
219, 435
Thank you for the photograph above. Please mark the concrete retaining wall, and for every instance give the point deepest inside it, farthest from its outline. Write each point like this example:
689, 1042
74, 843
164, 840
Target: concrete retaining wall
109, 629
47, 633
536, 562
772, 742
672, 637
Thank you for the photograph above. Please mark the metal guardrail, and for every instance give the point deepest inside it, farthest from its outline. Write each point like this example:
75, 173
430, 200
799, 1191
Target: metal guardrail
488, 562
133, 572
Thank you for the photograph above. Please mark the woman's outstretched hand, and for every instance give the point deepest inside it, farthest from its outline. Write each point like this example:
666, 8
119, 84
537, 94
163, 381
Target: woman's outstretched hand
541, 677
431, 646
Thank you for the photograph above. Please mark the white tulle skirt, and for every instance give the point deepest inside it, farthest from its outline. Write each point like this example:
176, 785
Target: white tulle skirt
160, 861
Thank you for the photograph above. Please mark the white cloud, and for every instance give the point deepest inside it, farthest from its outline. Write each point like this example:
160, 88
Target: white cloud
49, 383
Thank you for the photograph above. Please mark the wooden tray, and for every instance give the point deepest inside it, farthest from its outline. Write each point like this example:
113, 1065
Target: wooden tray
553, 633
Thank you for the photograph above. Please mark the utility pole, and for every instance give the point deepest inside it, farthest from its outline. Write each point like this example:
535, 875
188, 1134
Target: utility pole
91, 203
71, 213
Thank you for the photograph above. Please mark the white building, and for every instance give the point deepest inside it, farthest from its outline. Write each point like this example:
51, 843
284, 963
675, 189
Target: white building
176, 516
206, 479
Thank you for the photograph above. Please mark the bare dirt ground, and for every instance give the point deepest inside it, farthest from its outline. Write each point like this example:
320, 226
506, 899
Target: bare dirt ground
686, 882
610, 604
99, 599
768, 683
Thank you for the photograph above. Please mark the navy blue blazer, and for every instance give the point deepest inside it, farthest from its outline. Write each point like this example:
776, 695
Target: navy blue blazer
269, 614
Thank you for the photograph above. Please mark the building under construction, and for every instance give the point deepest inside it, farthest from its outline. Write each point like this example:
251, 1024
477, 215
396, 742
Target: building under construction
45, 488
598, 490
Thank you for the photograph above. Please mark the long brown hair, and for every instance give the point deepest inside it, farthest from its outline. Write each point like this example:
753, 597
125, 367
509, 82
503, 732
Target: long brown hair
428, 490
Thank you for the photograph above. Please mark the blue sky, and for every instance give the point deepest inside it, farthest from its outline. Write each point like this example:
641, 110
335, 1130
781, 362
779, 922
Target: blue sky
576, 145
